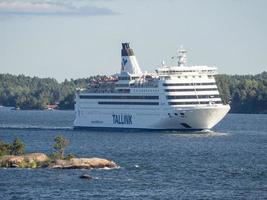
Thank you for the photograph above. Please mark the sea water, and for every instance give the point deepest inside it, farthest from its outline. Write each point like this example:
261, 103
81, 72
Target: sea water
229, 162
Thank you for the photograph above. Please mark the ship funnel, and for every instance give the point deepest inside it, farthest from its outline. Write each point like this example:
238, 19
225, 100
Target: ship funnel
128, 60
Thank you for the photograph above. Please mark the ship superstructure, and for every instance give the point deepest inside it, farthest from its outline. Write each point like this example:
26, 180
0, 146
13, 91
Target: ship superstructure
173, 98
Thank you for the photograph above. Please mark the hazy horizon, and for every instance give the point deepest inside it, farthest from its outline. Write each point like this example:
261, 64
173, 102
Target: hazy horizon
66, 39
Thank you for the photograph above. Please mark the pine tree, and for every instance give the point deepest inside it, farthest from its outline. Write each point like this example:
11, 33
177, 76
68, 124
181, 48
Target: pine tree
17, 147
60, 145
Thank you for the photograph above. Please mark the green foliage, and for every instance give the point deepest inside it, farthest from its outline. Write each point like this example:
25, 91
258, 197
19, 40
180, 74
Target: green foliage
246, 93
32, 165
25, 164
70, 156
55, 155
4, 148
35, 93
16, 148
60, 145
67, 103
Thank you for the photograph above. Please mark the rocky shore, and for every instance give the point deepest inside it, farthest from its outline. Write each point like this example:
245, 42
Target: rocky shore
83, 163
38, 160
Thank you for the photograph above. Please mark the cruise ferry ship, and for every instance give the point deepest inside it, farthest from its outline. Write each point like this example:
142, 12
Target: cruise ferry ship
177, 97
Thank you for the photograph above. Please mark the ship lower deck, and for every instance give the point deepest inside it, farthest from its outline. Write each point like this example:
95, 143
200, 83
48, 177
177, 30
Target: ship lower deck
163, 118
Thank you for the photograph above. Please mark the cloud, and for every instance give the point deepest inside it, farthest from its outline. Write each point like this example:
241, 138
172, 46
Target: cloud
51, 8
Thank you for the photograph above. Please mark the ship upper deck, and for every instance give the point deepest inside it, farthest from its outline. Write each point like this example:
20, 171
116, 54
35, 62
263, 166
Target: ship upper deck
131, 78
121, 84
186, 70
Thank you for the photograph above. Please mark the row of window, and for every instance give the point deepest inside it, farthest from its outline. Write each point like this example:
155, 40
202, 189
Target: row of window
157, 103
123, 85
148, 97
168, 77
193, 97
128, 77
145, 90
187, 84
124, 78
183, 71
124, 90
116, 97
194, 103
128, 103
191, 90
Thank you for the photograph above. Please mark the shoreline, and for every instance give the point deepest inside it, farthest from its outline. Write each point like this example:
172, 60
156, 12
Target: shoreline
41, 160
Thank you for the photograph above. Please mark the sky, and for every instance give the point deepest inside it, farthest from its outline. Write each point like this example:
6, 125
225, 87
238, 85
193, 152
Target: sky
66, 39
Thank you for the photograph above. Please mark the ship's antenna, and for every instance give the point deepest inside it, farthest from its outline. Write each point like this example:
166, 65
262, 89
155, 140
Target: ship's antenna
163, 63
182, 59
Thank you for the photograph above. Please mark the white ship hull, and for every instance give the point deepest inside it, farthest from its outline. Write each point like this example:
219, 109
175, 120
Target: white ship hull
174, 98
195, 118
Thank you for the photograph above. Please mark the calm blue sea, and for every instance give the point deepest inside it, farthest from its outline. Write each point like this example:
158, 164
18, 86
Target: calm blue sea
229, 163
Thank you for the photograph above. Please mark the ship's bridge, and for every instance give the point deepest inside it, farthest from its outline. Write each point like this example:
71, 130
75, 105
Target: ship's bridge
184, 70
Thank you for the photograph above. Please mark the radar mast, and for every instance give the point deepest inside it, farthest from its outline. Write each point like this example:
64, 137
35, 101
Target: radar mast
182, 58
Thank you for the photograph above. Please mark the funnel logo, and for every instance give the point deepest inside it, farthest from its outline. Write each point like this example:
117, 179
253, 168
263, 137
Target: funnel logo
124, 61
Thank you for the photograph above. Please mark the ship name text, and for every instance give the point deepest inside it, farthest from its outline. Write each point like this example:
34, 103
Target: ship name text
122, 119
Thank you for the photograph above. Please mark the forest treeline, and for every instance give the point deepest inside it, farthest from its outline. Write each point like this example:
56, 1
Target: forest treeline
26, 92
245, 93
